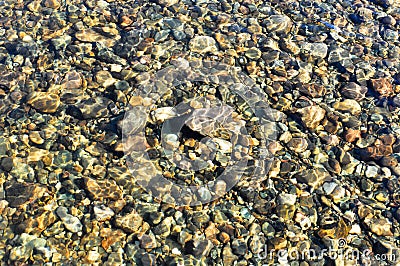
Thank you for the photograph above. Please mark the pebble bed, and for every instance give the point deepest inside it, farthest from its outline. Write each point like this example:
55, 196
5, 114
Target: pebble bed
70, 71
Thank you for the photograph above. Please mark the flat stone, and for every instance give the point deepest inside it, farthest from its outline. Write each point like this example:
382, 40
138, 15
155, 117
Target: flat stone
203, 44
72, 80
91, 35
314, 177
103, 213
354, 91
383, 86
298, 145
380, 227
54, 4
130, 222
103, 189
286, 198
7, 164
227, 256
104, 78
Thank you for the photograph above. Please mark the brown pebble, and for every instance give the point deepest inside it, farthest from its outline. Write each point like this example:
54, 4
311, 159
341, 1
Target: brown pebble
45, 102
224, 237
383, 86
352, 135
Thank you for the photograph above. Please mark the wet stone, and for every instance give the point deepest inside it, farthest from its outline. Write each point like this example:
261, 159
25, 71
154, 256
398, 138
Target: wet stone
44, 101
91, 35
95, 107
314, 178
354, 91
104, 78
130, 222
61, 43
103, 189
228, 257
18, 194
72, 80
7, 164
383, 86
381, 227
348, 105
198, 248
298, 145
70, 222
313, 90
253, 53
315, 50
203, 44
35, 137
278, 24
312, 116
239, 246
52, 4
167, 2
103, 213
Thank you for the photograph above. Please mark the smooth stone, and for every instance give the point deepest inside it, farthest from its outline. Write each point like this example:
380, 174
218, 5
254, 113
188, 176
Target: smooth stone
316, 50
104, 78
383, 86
54, 4
45, 102
380, 227
253, 53
312, 116
70, 222
278, 23
298, 145
239, 246
348, 105
103, 213
354, 91
7, 164
329, 187
167, 3
371, 171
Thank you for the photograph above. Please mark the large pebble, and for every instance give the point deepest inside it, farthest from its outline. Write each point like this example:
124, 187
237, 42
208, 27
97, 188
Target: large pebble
298, 145
278, 23
45, 102
348, 105
312, 116
70, 222
354, 91
383, 86
203, 44
130, 222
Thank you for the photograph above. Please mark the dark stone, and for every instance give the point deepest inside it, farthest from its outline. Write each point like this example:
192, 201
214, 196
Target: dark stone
7, 164
355, 18
263, 206
17, 193
198, 248
148, 259
75, 112
239, 246
383, 3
